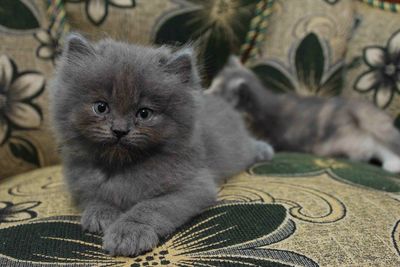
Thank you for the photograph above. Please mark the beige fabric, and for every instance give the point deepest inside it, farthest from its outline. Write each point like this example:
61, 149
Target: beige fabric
20, 47
336, 224
375, 28
130, 24
292, 20
319, 204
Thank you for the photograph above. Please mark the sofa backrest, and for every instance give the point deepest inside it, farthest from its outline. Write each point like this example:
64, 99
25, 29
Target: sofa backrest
312, 47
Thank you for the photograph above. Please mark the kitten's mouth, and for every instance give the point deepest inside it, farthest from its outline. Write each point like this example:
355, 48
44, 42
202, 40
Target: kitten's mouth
119, 143
122, 146
116, 153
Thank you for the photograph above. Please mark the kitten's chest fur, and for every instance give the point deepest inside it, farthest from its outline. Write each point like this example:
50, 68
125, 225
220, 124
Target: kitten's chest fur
123, 188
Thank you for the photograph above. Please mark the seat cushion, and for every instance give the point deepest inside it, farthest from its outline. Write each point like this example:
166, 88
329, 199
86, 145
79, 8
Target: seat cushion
297, 210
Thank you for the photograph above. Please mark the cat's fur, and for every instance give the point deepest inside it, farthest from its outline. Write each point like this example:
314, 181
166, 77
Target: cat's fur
327, 127
162, 171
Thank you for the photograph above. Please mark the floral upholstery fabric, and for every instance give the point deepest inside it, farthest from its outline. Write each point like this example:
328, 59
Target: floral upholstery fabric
327, 50
298, 210
305, 47
126, 20
374, 57
218, 28
34, 38
25, 139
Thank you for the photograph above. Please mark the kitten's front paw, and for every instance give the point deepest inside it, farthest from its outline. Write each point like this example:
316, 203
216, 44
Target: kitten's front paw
264, 151
97, 220
124, 238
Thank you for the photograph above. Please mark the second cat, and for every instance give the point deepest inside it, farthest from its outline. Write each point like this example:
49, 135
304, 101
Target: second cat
326, 127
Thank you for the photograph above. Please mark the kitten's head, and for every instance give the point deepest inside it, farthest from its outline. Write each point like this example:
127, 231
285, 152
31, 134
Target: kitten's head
233, 82
116, 103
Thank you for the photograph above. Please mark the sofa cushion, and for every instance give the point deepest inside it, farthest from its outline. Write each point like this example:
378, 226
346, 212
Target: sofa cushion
297, 210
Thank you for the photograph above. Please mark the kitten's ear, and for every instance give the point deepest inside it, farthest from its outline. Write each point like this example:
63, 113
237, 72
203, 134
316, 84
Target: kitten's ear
237, 86
240, 90
243, 92
76, 45
183, 64
234, 61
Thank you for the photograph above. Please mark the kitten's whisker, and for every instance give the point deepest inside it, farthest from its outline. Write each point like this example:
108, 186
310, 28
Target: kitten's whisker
140, 134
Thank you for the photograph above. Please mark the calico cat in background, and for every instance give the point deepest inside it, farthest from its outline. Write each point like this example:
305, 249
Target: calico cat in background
326, 127
143, 149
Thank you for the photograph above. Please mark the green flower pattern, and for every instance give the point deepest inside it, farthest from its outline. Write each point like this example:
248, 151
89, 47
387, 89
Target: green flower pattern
309, 72
228, 234
18, 16
217, 27
289, 164
221, 236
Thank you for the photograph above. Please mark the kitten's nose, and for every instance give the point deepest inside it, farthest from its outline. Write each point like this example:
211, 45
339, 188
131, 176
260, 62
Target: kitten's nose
119, 134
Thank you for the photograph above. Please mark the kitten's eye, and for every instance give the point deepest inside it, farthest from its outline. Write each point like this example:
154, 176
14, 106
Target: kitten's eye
101, 107
144, 113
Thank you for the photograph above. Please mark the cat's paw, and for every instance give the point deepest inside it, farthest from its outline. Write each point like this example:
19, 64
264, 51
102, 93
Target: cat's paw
97, 220
126, 238
264, 151
392, 165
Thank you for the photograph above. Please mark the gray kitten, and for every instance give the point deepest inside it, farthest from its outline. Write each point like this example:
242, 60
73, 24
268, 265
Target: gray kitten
327, 127
143, 149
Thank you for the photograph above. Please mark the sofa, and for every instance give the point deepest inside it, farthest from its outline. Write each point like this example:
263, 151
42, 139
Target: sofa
295, 210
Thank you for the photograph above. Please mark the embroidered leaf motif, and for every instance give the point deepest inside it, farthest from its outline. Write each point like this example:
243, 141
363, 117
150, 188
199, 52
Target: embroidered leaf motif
15, 15
54, 241
309, 73
309, 62
223, 226
218, 28
332, 2
288, 164
229, 235
333, 85
10, 212
273, 78
169, 32
25, 150
225, 235
397, 122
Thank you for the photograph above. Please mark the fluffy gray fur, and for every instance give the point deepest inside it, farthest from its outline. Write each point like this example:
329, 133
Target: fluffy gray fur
327, 127
137, 179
